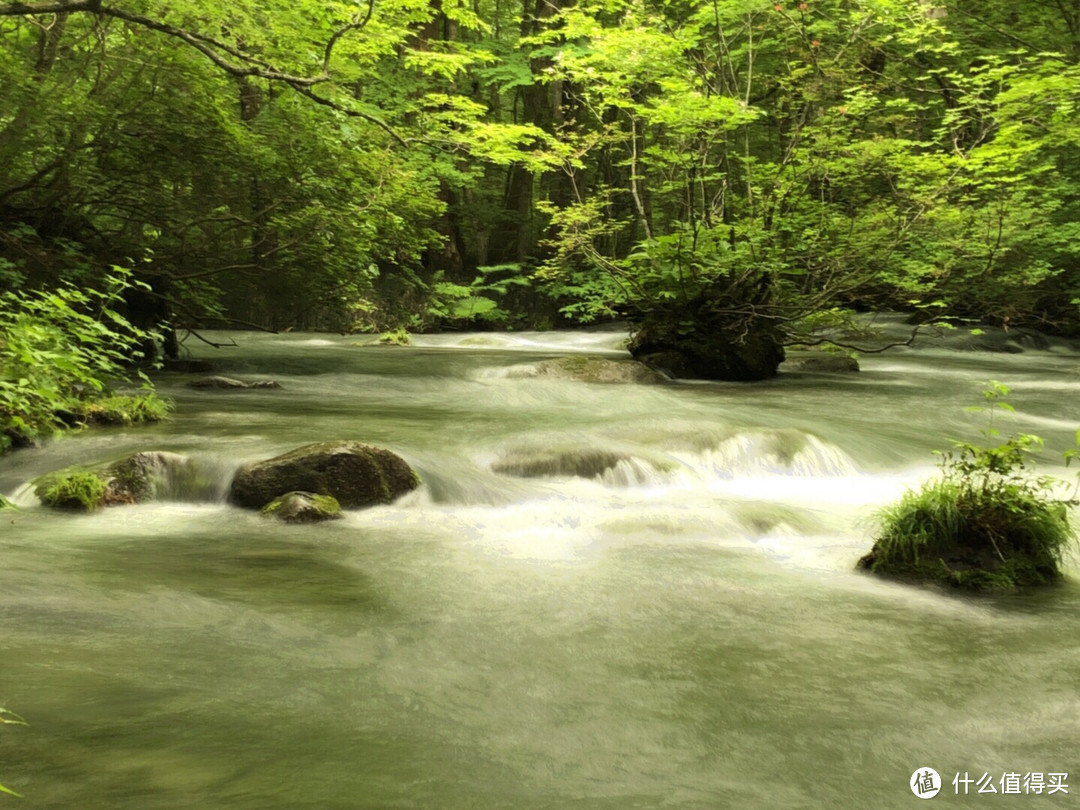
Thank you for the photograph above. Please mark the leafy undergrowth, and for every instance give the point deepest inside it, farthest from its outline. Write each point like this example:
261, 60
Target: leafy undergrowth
123, 409
60, 352
986, 523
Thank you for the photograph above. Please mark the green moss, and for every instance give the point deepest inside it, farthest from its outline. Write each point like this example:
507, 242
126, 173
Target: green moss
75, 489
303, 507
327, 504
6, 504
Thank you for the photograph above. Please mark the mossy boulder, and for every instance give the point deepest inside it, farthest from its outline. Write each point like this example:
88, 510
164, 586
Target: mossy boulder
356, 474
135, 479
583, 368
229, 384
303, 507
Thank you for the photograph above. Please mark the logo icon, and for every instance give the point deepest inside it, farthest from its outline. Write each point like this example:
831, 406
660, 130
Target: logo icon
925, 783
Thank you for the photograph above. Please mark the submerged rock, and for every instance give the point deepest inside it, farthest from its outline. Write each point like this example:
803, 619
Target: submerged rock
579, 463
612, 466
582, 368
483, 340
355, 473
303, 507
230, 384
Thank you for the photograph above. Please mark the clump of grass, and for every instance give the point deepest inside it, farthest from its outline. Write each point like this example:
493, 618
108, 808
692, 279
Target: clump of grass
78, 490
998, 539
986, 523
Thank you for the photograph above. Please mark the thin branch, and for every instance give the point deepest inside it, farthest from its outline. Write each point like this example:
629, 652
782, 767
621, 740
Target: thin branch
326, 102
195, 334
911, 339
355, 25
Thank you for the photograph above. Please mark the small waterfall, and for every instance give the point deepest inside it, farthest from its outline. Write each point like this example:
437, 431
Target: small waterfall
786, 452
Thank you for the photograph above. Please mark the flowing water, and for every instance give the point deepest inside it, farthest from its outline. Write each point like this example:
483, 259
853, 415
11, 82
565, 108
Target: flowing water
684, 629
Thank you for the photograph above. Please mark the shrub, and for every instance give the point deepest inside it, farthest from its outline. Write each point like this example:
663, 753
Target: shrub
985, 523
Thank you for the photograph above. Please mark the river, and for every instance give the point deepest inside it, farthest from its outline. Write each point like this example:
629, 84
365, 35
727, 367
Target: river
687, 631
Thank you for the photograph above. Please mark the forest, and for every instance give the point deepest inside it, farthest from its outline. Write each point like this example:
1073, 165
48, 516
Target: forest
729, 177
532, 472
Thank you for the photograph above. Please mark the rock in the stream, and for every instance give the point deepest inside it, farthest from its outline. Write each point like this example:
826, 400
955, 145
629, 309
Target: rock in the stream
229, 384
585, 463
582, 368
355, 473
611, 466
825, 364
142, 476
304, 507
135, 479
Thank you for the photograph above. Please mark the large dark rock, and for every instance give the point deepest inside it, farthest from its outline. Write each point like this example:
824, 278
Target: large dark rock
355, 473
712, 349
303, 507
229, 384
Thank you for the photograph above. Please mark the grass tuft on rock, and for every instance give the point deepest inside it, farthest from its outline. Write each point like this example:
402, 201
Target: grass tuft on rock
998, 539
986, 523
78, 490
